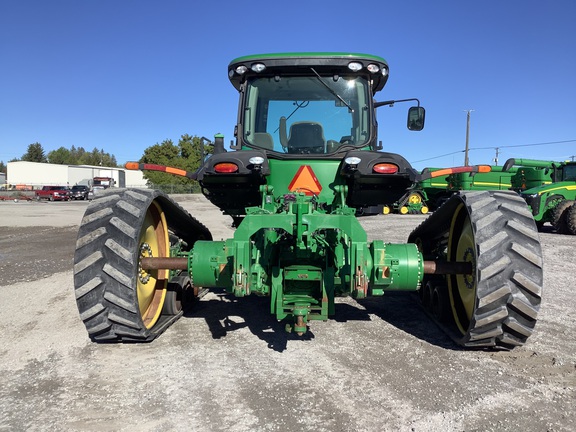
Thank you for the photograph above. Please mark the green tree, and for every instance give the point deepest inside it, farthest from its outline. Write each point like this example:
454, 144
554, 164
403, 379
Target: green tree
79, 156
3, 167
97, 157
76, 154
61, 156
35, 153
187, 155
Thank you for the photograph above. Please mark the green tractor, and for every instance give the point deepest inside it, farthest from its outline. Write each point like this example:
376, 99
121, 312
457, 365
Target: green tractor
529, 173
550, 191
430, 193
496, 179
305, 158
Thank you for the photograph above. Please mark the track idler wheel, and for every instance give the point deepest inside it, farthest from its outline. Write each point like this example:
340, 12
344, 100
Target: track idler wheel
496, 305
119, 299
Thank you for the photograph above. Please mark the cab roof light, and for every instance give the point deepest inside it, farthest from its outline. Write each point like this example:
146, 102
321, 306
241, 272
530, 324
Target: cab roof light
241, 70
258, 67
385, 168
354, 66
226, 168
372, 68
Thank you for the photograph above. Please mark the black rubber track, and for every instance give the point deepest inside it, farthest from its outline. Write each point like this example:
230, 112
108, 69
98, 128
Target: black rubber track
509, 267
106, 262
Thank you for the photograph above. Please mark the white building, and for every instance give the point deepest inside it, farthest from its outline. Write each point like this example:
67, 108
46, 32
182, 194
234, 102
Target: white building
37, 174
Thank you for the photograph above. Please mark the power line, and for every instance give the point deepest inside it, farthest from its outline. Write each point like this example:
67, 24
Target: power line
494, 147
438, 157
524, 145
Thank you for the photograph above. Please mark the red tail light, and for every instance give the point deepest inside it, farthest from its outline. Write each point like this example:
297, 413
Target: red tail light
226, 167
385, 168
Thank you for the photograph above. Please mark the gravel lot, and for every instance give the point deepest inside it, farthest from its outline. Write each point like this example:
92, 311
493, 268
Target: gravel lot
381, 364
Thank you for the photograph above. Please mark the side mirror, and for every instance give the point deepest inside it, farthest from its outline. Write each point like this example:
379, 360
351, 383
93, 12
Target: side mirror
416, 115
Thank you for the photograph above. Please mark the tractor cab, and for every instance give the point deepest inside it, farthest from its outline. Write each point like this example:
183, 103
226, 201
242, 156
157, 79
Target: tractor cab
309, 103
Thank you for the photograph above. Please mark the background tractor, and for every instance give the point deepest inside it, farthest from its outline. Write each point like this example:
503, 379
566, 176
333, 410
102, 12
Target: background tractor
549, 188
306, 157
430, 193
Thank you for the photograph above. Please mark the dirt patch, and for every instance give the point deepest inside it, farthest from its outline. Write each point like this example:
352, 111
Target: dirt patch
31, 253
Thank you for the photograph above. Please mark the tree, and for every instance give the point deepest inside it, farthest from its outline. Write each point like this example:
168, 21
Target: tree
35, 153
61, 156
96, 157
3, 167
186, 155
79, 156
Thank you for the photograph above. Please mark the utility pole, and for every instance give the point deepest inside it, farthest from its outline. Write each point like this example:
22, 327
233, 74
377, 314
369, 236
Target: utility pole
466, 161
496, 158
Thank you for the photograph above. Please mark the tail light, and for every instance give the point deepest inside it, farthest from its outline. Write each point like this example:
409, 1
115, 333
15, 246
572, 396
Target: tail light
226, 168
385, 168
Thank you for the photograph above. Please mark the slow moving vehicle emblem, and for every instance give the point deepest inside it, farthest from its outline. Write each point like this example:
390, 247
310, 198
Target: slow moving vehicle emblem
305, 181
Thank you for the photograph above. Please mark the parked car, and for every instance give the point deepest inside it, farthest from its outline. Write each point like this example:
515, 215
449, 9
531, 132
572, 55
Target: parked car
79, 192
53, 193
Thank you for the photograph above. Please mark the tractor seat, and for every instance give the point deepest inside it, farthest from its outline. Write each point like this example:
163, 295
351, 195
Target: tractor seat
306, 137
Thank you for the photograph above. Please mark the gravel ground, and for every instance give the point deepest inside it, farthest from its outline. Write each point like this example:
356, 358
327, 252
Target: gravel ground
381, 364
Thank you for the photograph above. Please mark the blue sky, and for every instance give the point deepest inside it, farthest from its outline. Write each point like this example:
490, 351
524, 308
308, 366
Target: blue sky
122, 75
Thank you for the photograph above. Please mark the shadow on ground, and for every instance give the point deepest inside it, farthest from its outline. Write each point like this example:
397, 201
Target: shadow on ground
226, 314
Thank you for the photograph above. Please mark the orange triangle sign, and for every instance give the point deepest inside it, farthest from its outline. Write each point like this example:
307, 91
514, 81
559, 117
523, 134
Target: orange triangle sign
305, 181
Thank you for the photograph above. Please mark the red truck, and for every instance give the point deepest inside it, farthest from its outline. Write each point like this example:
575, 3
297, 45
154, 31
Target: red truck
53, 193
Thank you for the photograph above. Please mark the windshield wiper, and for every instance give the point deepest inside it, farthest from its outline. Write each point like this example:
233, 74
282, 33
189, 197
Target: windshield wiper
332, 90
304, 104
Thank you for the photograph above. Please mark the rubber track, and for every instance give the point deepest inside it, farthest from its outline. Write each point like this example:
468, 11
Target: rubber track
509, 270
106, 261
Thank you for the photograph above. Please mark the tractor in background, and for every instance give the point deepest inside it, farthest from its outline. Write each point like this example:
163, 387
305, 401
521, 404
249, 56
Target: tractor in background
549, 188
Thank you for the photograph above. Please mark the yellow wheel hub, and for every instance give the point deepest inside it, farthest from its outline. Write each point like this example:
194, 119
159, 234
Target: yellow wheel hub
414, 198
462, 288
151, 286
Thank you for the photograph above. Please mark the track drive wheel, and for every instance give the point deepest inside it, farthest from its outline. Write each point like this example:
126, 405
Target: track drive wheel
497, 304
117, 299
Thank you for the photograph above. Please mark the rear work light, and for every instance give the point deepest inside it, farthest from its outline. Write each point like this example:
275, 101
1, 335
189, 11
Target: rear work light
226, 167
385, 168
